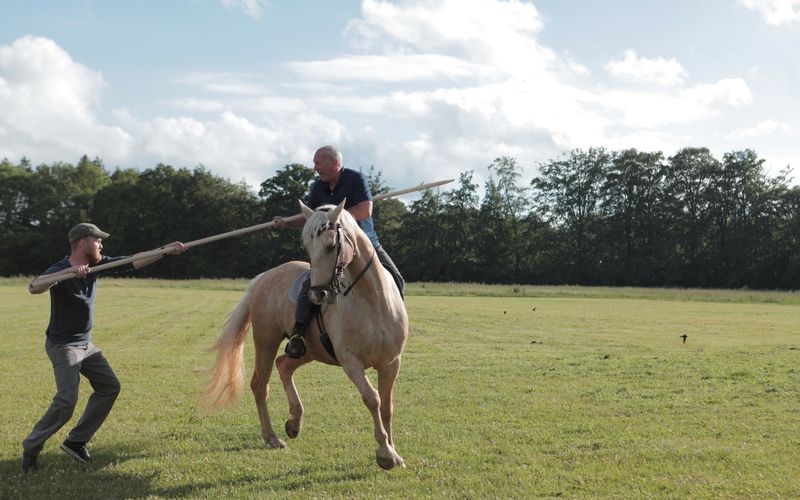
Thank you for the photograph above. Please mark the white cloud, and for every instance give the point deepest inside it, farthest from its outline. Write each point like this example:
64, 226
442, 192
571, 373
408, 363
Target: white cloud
193, 104
776, 12
571, 68
429, 90
649, 109
762, 129
437, 86
49, 103
658, 71
500, 34
733, 91
233, 145
390, 68
495, 90
223, 83
251, 8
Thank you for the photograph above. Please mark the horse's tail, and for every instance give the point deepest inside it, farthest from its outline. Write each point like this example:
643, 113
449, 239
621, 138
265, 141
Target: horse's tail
225, 386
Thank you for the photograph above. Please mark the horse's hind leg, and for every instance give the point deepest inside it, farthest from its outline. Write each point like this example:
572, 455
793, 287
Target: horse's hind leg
385, 455
265, 353
386, 377
286, 368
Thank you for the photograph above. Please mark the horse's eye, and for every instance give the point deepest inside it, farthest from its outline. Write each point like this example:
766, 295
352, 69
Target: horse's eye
331, 248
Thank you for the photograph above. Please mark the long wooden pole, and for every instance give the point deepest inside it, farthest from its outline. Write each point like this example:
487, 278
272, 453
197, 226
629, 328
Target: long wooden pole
49, 279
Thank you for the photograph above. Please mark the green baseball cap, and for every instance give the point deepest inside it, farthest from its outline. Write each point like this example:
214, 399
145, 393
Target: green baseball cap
85, 229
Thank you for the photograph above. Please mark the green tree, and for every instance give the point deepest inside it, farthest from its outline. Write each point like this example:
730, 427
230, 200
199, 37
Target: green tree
786, 241
690, 175
738, 204
567, 194
632, 242
58, 196
17, 232
15, 183
387, 214
148, 209
279, 196
420, 257
461, 232
281, 192
504, 207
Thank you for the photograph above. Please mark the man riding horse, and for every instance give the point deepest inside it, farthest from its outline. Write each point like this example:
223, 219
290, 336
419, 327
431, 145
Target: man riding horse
335, 184
366, 325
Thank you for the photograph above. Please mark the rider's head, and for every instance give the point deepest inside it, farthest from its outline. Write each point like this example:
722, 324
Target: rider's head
328, 164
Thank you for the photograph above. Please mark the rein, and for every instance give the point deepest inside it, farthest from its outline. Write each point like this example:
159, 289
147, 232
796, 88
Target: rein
369, 264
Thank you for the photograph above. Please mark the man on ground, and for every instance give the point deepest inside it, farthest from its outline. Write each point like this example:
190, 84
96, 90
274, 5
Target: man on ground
70, 348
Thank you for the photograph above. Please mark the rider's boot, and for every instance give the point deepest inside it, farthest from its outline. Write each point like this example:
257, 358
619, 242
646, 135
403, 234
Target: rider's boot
297, 344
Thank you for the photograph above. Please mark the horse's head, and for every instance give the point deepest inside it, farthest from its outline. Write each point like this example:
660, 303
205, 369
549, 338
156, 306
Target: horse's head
329, 248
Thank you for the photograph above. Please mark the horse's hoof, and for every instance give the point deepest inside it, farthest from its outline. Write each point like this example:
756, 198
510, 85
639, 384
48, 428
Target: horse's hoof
389, 462
276, 443
292, 430
385, 463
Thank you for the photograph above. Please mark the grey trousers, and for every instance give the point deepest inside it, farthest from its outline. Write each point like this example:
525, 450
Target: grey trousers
388, 263
69, 363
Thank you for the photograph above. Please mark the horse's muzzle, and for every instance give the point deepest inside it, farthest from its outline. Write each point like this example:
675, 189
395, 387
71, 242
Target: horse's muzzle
318, 297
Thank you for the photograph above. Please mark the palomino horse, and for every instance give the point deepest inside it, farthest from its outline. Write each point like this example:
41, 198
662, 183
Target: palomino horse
367, 325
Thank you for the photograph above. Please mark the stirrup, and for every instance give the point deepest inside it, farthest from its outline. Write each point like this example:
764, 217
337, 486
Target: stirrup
293, 351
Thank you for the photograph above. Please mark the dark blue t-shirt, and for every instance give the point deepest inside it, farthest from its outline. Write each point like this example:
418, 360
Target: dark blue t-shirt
72, 305
353, 186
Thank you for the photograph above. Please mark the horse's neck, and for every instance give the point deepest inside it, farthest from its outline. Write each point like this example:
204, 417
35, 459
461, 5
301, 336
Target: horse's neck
373, 277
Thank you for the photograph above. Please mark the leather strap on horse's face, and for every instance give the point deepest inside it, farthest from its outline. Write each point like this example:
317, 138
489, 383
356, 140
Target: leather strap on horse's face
334, 285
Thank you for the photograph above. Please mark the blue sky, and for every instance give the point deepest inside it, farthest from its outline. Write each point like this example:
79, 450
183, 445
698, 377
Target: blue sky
423, 90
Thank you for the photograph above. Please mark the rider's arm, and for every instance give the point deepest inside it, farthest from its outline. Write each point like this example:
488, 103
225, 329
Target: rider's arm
361, 211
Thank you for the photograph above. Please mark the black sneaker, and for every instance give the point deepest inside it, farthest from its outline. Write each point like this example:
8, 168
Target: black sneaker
296, 347
77, 451
29, 462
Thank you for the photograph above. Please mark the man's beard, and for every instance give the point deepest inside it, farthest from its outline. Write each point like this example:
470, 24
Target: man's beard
94, 258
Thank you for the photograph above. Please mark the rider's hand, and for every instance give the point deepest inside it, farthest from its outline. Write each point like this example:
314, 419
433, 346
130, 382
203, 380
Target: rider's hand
178, 247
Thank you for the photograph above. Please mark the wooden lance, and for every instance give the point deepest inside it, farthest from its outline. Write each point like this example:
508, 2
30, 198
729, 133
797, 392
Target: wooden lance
157, 252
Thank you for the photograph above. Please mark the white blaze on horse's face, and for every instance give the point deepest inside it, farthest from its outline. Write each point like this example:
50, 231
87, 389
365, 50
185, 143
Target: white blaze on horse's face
321, 239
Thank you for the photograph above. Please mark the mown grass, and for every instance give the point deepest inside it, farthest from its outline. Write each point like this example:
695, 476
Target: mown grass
538, 392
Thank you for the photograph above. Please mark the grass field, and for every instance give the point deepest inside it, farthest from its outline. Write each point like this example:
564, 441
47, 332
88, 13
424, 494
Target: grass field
504, 392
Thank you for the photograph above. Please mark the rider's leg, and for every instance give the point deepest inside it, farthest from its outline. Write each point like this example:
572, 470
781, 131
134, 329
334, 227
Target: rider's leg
302, 315
389, 265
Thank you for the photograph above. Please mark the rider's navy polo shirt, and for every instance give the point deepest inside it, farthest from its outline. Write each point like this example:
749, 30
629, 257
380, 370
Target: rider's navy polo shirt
353, 186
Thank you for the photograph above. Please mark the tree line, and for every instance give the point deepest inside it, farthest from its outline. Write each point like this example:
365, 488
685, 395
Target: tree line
589, 217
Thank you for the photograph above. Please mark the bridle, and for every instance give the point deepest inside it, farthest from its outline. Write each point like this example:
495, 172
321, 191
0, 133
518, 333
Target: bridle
334, 286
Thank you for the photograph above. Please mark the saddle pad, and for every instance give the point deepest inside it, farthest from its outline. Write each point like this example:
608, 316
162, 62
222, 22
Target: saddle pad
297, 286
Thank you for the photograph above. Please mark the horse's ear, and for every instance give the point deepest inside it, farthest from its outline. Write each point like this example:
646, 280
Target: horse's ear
306, 211
334, 215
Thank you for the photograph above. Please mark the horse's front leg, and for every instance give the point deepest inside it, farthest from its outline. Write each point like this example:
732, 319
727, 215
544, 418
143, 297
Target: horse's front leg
385, 455
286, 368
386, 377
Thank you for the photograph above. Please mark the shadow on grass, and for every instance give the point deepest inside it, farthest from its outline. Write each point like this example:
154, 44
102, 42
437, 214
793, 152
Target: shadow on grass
60, 476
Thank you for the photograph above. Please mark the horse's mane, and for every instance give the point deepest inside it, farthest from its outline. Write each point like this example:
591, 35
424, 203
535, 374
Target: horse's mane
320, 217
